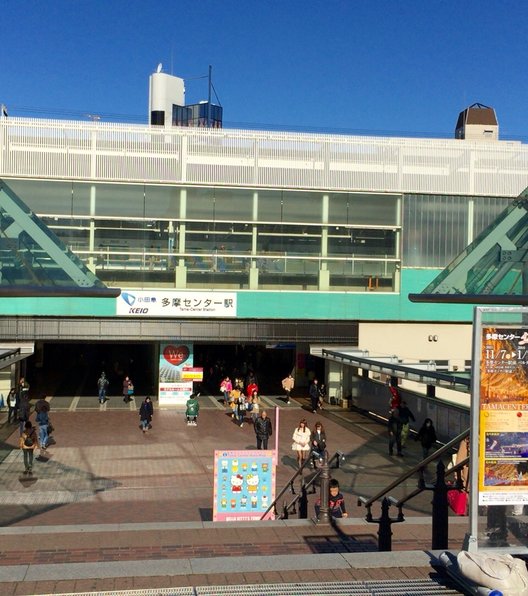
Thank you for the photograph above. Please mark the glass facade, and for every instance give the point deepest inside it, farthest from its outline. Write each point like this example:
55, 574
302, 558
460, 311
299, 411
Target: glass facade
33, 258
235, 238
191, 237
438, 228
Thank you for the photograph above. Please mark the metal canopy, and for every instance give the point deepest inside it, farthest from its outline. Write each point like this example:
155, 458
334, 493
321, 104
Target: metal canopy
420, 372
11, 355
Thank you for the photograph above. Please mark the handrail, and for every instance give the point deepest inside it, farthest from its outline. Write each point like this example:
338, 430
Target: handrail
414, 469
338, 455
457, 468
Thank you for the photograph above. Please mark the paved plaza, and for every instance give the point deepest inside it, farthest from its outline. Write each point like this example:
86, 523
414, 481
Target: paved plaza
111, 508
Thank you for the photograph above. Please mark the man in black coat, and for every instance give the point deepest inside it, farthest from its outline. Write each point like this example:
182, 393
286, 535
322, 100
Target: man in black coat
263, 430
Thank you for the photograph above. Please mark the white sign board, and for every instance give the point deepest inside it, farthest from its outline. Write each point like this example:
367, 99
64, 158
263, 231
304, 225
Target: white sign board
174, 303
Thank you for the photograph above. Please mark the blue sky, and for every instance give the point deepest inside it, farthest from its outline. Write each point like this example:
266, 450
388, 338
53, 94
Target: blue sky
365, 66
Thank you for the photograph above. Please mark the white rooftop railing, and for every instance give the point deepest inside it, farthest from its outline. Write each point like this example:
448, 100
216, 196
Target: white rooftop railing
100, 151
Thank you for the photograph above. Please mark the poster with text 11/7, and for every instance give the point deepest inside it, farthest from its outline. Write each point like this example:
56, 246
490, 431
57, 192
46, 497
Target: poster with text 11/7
244, 485
503, 417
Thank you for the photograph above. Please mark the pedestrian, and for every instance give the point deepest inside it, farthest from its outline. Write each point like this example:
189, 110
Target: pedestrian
146, 411
23, 388
288, 384
234, 394
192, 410
395, 400
23, 412
301, 442
322, 396
263, 430
317, 443
427, 436
251, 384
102, 385
12, 405
42, 419
42, 405
28, 444
255, 406
336, 501
226, 387
394, 426
405, 416
128, 389
314, 395
240, 409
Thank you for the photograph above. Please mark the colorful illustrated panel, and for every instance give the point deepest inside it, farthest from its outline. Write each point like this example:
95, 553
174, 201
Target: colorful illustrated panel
244, 485
503, 420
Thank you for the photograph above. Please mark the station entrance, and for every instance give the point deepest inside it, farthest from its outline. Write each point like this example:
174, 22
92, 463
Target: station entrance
72, 369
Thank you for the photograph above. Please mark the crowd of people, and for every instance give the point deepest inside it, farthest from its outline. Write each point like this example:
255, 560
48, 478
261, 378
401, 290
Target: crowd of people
398, 426
241, 397
19, 412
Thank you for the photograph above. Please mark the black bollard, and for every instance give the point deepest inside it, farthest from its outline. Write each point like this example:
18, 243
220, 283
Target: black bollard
385, 531
303, 503
440, 524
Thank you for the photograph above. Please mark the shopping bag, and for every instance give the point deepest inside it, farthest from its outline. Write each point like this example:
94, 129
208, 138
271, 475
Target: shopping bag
457, 501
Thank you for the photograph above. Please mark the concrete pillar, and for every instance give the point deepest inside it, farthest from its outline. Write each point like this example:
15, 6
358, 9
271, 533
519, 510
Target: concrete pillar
334, 381
180, 278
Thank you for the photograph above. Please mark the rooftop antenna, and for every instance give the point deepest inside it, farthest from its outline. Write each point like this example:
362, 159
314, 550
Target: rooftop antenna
160, 66
209, 99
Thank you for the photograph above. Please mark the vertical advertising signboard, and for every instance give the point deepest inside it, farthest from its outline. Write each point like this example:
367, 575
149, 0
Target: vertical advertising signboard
244, 485
503, 416
174, 388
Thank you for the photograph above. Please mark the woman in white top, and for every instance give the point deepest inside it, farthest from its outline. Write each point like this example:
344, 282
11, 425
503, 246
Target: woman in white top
301, 441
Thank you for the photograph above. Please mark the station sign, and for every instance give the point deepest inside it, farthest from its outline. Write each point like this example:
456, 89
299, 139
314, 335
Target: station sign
175, 303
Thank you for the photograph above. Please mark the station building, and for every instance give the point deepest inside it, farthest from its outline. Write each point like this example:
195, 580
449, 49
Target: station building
269, 243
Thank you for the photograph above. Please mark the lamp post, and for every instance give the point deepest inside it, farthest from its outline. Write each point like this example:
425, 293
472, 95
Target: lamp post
324, 512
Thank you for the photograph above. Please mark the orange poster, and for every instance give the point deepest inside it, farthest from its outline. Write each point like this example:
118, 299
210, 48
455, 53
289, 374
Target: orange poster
503, 417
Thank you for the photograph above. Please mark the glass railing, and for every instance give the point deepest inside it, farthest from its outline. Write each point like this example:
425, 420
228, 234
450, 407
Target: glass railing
277, 271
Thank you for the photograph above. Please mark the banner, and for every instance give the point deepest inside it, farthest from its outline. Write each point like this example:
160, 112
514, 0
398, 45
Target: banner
244, 485
174, 388
174, 303
503, 416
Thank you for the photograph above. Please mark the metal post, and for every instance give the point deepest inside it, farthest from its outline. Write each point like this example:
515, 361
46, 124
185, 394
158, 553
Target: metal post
440, 524
324, 476
303, 503
209, 99
385, 531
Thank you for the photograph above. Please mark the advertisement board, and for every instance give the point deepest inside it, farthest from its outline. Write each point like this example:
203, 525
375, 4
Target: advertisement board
503, 416
174, 386
244, 485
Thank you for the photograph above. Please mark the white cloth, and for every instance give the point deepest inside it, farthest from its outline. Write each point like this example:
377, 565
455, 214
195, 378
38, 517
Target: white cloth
496, 572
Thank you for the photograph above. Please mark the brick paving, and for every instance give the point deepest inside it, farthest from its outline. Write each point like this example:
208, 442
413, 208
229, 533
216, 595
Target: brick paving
104, 493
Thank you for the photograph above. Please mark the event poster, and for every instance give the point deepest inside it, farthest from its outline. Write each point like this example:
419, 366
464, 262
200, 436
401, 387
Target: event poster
503, 435
244, 485
174, 385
